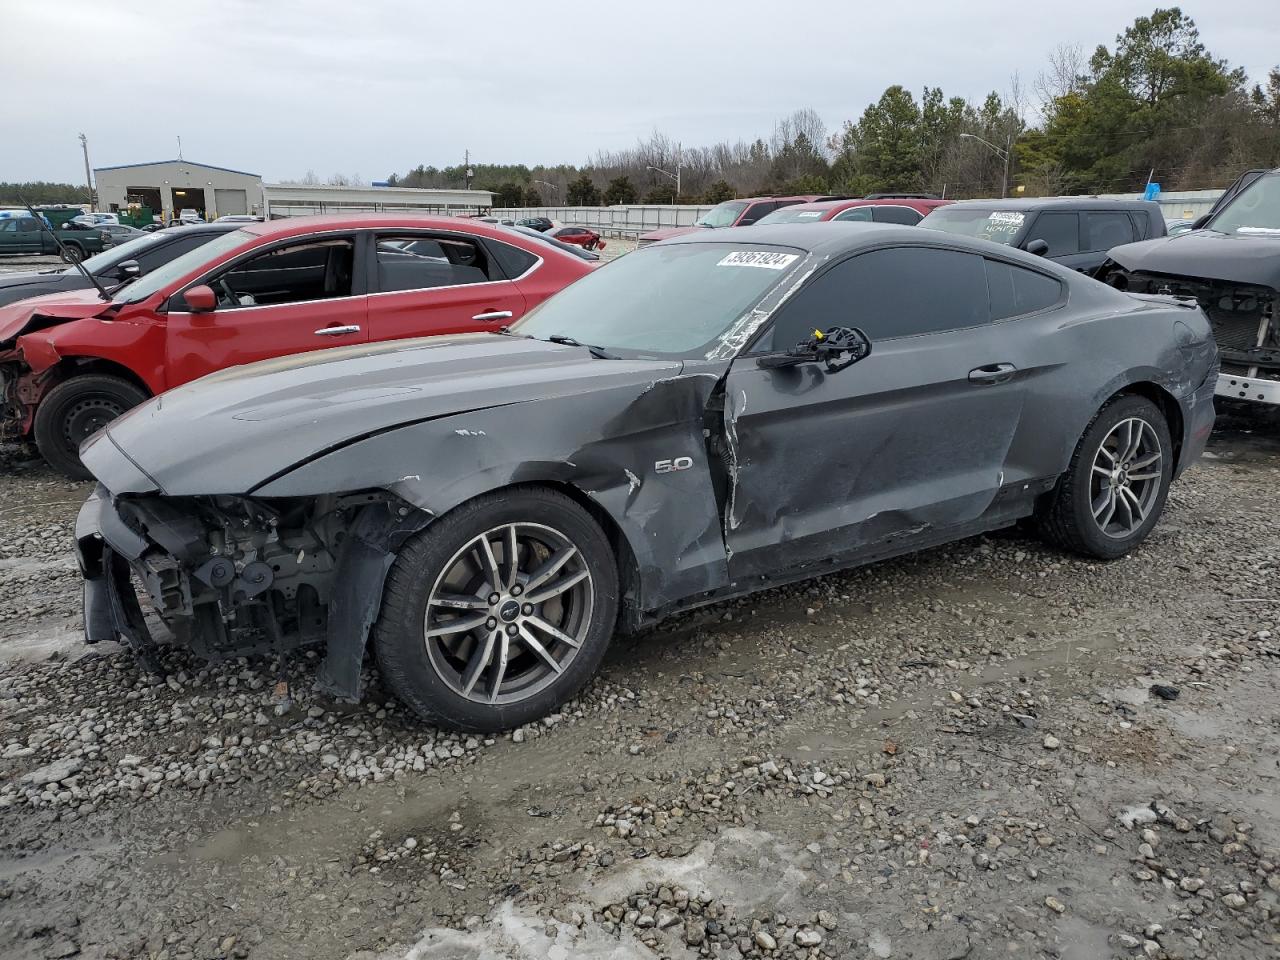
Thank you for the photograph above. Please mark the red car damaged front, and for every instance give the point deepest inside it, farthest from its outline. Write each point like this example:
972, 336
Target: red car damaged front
41, 338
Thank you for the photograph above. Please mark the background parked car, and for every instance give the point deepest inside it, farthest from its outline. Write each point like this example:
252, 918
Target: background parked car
1076, 232
905, 211
541, 224
96, 219
1175, 227
731, 213
260, 291
119, 232
112, 266
25, 235
632, 451
1231, 265
579, 236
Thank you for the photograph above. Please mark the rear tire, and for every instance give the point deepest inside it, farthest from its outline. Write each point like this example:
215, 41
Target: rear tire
74, 410
1114, 490
72, 253
498, 673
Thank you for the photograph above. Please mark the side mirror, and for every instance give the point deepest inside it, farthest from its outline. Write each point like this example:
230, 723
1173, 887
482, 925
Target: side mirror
1037, 247
128, 269
201, 299
838, 348
1200, 222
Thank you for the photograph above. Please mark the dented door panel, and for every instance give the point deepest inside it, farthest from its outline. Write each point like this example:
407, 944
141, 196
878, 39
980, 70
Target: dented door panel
902, 443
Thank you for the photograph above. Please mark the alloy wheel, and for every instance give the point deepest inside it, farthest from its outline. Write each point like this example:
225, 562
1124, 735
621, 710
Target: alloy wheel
508, 613
1126, 477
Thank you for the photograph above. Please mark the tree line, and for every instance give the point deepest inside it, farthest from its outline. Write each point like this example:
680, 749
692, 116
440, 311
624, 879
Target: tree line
1156, 104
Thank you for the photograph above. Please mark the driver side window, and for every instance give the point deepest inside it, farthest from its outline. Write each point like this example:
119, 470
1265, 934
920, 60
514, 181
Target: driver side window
295, 273
895, 292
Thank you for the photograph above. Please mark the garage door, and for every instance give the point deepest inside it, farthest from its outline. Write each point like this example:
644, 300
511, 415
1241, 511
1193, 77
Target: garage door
230, 201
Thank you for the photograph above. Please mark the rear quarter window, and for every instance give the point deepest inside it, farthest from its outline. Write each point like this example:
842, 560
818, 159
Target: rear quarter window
1017, 291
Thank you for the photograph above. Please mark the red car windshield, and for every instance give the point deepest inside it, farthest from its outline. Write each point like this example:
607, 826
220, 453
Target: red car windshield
722, 215
179, 267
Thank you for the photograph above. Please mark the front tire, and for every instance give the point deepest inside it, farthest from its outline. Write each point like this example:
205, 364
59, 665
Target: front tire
75, 409
499, 612
1114, 491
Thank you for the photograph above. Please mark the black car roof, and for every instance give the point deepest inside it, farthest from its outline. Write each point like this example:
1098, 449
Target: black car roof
834, 238
1052, 203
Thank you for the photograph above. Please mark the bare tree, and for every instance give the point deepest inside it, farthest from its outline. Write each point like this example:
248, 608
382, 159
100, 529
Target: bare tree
1062, 75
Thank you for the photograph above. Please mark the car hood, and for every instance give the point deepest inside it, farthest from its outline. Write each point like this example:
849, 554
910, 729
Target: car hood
249, 424
1207, 255
668, 232
35, 313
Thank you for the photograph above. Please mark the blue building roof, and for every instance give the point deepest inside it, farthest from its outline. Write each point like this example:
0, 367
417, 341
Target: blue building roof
152, 163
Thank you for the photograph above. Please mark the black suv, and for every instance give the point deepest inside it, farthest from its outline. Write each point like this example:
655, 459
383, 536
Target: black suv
115, 264
541, 224
1077, 232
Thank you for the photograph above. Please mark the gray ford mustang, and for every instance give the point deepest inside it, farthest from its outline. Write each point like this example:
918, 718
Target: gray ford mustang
716, 414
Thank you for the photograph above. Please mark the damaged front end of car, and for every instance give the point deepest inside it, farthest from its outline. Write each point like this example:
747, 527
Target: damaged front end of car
1245, 319
233, 576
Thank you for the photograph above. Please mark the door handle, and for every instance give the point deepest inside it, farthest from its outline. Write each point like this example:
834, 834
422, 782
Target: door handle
992, 373
493, 315
338, 331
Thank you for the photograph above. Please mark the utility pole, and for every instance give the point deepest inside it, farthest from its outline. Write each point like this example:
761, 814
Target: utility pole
88, 177
466, 170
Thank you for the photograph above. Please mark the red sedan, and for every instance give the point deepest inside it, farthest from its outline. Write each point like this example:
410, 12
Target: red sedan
579, 236
903, 210
262, 291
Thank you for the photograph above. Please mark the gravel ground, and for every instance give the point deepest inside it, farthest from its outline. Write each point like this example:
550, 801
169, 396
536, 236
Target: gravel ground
985, 750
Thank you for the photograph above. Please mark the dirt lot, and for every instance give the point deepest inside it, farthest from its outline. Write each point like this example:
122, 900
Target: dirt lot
958, 754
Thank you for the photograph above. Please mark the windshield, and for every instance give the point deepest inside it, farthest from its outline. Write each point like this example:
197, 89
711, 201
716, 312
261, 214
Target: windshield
117, 254
998, 226
663, 301
797, 213
722, 215
1255, 211
176, 269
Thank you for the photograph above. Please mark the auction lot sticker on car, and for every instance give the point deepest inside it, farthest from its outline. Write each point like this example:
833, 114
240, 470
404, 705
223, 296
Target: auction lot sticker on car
758, 258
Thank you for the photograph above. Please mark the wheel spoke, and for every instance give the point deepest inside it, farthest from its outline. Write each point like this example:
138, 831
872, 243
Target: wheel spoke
1101, 471
557, 588
456, 601
1135, 428
1108, 510
460, 625
554, 631
1106, 453
550, 568
479, 660
1135, 506
1148, 460
489, 562
500, 673
1144, 476
512, 550
532, 643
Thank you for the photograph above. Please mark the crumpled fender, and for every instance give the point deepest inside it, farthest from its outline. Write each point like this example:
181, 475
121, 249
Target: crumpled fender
138, 347
607, 446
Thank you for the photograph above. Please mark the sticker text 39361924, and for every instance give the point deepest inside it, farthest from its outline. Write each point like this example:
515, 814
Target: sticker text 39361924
758, 258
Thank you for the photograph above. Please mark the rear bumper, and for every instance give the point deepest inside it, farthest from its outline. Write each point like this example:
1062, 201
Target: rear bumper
1233, 386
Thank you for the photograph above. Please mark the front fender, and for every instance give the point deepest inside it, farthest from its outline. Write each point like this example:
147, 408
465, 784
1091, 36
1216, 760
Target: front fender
138, 347
606, 445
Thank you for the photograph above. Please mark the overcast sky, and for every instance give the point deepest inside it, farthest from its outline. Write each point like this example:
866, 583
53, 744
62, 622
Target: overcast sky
282, 86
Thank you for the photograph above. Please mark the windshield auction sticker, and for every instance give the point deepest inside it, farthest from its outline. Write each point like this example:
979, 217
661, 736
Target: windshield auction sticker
759, 258
1007, 218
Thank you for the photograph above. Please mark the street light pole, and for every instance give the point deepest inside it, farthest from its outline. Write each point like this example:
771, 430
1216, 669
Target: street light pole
667, 173
1002, 154
88, 177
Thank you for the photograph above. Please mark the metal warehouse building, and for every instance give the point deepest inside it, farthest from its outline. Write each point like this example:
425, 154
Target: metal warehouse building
298, 199
169, 186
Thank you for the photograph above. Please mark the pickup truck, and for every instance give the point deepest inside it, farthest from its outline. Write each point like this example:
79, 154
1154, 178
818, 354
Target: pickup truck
24, 234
